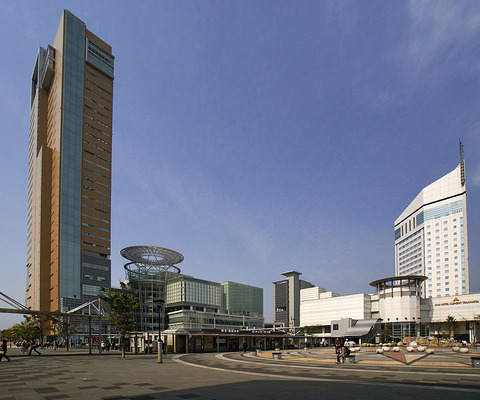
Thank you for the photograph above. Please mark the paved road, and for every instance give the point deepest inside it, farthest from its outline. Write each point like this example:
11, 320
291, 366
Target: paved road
56, 375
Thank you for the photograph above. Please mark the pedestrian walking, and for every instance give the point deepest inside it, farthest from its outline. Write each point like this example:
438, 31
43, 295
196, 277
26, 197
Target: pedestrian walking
338, 349
33, 347
3, 350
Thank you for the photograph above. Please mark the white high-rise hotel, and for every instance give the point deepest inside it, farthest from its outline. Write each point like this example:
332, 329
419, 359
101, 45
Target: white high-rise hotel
431, 236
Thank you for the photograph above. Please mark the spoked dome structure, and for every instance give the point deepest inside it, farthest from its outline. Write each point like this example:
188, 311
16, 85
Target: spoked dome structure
148, 271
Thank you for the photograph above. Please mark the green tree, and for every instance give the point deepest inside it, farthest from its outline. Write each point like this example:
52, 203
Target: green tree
310, 329
387, 332
26, 330
123, 304
8, 334
66, 330
42, 323
15, 331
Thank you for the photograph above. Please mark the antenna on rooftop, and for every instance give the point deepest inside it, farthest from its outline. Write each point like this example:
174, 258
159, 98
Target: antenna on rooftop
462, 162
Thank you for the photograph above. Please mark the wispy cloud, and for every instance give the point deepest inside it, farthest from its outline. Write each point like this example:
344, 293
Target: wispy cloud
437, 32
475, 177
203, 205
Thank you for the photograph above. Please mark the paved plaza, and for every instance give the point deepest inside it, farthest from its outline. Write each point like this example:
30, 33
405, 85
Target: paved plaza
305, 374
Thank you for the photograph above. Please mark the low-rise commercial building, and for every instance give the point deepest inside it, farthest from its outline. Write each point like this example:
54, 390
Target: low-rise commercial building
190, 303
397, 303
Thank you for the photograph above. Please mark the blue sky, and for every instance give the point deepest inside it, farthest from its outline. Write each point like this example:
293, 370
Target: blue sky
257, 137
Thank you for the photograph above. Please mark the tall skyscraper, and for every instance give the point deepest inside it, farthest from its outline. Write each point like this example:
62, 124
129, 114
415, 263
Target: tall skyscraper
431, 236
69, 169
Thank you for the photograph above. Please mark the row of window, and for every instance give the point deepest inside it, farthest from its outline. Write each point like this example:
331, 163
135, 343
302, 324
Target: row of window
96, 155
91, 277
98, 112
109, 84
96, 200
427, 215
97, 165
96, 245
105, 221
95, 209
98, 86
91, 290
106, 134
96, 266
99, 95
94, 145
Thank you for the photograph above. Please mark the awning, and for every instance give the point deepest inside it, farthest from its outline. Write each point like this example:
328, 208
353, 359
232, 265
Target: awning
362, 327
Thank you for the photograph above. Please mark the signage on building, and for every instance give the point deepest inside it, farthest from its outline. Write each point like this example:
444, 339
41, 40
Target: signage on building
456, 302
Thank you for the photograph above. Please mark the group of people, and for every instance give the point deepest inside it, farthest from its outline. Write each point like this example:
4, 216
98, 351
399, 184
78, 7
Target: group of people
30, 346
105, 346
341, 349
27, 346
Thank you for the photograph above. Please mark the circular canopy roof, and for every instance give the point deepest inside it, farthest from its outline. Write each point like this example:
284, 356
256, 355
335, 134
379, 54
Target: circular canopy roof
151, 255
418, 278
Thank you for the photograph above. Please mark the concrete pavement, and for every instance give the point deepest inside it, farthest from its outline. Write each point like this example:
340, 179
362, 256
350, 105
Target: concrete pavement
77, 375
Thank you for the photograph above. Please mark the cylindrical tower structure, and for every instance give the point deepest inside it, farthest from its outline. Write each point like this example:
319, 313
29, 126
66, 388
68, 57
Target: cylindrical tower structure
399, 303
149, 270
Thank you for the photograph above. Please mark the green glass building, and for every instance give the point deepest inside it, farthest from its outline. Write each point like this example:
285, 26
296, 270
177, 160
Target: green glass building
241, 299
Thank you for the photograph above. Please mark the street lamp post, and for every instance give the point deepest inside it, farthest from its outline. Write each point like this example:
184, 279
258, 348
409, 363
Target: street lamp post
159, 302
54, 323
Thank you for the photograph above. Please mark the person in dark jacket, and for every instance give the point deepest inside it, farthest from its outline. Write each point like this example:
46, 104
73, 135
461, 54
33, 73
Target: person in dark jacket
338, 349
3, 350
33, 347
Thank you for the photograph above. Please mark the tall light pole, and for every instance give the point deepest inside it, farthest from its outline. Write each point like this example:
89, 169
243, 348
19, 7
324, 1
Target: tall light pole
159, 302
54, 323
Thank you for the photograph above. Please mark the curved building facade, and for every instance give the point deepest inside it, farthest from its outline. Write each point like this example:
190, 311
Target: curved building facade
399, 298
431, 237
